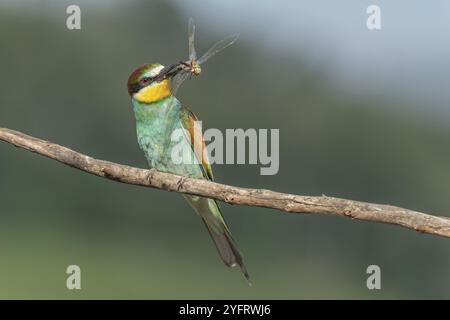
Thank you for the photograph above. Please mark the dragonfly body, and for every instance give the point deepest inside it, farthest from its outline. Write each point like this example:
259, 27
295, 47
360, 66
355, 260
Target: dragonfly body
192, 66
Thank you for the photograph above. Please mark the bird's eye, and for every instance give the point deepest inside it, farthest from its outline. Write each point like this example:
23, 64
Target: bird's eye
145, 81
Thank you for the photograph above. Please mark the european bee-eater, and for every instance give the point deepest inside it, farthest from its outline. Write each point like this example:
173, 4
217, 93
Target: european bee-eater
158, 113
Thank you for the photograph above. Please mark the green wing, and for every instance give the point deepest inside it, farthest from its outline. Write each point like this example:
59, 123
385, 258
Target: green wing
209, 209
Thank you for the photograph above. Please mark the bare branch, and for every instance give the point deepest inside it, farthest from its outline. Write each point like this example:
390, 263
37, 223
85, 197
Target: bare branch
234, 195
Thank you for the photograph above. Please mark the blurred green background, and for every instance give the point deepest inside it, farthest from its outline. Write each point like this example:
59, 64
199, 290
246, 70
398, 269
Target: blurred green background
362, 115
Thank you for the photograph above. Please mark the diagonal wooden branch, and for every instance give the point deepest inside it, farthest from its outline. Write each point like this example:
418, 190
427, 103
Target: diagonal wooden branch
234, 195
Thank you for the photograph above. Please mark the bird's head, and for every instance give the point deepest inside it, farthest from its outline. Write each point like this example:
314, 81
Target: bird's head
146, 85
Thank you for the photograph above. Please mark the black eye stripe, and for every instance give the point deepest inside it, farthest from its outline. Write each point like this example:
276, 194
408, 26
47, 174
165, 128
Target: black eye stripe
141, 84
146, 80
135, 87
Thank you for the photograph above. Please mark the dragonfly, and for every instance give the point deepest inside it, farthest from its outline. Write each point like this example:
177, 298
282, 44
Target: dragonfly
182, 70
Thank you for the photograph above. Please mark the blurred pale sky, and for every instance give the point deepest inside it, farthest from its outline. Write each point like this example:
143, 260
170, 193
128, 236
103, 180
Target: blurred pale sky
408, 59
410, 53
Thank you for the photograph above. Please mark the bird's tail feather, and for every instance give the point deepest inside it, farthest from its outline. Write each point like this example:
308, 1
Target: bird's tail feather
210, 213
227, 249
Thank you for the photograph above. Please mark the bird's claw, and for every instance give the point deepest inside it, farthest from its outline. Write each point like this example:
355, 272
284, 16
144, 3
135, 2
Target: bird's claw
180, 183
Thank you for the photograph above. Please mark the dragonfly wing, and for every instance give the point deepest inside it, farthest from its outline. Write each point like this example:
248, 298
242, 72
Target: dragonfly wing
218, 46
177, 80
191, 36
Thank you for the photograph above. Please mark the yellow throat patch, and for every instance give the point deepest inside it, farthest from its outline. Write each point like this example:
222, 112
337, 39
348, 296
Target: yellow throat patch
154, 93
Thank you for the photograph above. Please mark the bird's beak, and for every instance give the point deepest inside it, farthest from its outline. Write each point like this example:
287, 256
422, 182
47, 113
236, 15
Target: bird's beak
169, 72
